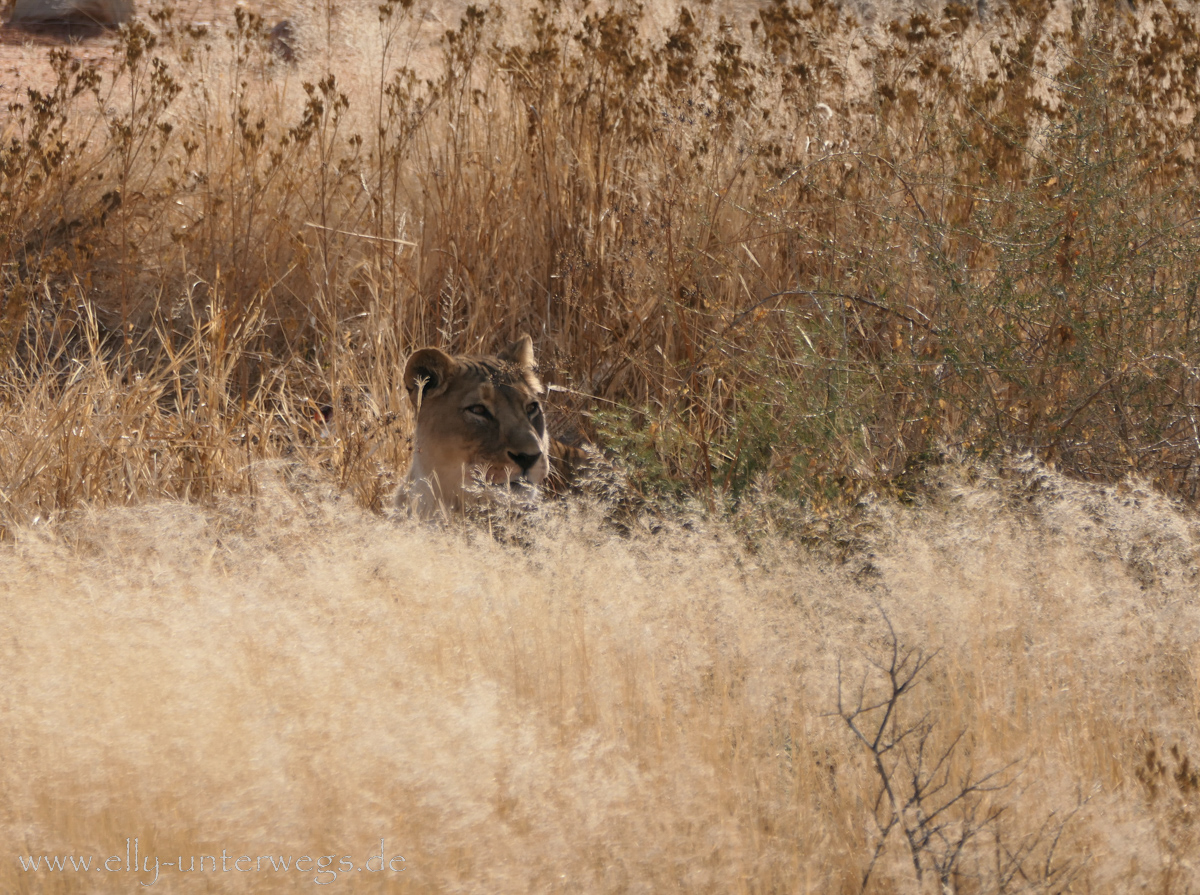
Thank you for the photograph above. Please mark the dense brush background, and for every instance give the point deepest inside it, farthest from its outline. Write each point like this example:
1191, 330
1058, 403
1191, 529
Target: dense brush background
886, 315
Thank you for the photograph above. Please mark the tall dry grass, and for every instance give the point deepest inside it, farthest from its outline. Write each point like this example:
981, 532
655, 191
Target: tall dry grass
289, 675
777, 263
790, 251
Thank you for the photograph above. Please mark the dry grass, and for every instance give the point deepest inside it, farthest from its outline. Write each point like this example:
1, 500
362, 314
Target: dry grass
593, 713
779, 265
791, 252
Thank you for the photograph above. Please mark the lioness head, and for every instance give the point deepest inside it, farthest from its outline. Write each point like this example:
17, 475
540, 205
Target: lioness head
479, 419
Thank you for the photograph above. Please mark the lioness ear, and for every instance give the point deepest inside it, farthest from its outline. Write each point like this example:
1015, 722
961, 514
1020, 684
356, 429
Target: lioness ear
520, 353
426, 374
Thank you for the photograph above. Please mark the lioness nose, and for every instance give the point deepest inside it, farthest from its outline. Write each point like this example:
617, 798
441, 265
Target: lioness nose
525, 461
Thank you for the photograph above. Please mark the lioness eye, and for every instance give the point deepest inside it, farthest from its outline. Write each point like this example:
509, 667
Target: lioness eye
533, 409
479, 410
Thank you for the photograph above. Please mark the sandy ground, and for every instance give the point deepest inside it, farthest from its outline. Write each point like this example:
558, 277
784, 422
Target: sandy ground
23, 55
23, 62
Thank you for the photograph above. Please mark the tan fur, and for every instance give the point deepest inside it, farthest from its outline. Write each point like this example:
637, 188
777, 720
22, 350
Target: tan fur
479, 420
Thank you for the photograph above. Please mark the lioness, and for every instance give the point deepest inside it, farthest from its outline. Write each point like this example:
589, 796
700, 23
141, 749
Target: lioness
479, 420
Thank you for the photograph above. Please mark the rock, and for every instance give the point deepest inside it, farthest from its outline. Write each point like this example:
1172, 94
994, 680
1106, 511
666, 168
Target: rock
282, 40
71, 13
